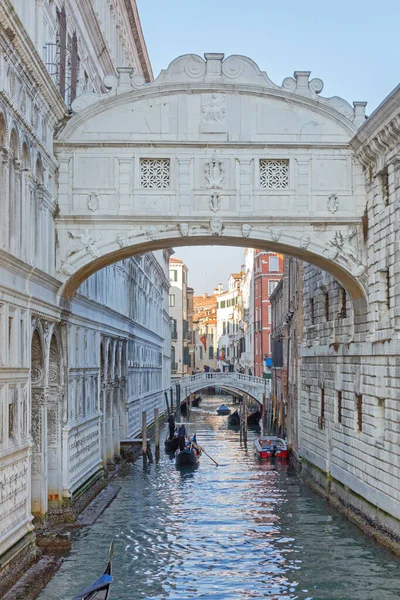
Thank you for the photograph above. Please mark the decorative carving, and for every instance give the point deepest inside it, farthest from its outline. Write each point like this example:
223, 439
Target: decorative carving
152, 232
275, 233
214, 174
305, 242
86, 241
346, 245
93, 201
155, 173
122, 240
246, 228
332, 204
195, 67
216, 227
66, 268
183, 229
274, 174
215, 110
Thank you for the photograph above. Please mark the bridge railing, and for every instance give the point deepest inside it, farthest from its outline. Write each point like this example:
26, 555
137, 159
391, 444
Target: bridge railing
230, 376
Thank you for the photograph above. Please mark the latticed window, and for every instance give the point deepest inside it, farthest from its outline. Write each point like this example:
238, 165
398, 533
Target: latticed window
154, 173
274, 174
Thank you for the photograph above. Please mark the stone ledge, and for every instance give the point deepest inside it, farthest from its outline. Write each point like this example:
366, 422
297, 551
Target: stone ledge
34, 580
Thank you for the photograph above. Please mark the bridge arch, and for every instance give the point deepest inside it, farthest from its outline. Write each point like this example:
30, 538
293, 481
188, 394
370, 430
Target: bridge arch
211, 152
253, 386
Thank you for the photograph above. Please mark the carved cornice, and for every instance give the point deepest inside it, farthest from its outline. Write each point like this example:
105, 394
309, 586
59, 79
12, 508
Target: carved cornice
379, 137
11, 24
140, 44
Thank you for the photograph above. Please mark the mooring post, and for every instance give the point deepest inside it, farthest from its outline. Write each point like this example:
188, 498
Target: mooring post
144, 433
178, 398
265, 416
241, 418
245, 420
157, 432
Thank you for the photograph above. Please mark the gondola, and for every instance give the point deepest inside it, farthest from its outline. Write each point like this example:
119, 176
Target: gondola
100, 589
234, 418
190, 456
223, 410
254, 417
171, 445
196, 401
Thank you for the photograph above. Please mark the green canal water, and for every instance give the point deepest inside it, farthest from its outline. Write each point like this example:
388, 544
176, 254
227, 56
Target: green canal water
240, 530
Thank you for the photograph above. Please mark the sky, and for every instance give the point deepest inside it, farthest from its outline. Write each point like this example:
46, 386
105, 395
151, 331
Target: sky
353, 46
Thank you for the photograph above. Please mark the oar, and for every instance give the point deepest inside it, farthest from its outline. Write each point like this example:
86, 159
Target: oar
202, 449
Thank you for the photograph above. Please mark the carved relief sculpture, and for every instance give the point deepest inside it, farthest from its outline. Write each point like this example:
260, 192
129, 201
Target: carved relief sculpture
214, 174
332, 204
183, 229
216, 227
93, 201
246, 228
215, 110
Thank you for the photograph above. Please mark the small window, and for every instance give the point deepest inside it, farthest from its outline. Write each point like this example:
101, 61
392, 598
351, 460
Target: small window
326, 306
359, 406
173, 275
322, 403
274, 174
172, 299
223, 304
312, 311
210, 352
273, 264
272, 285
343, 304
339, 407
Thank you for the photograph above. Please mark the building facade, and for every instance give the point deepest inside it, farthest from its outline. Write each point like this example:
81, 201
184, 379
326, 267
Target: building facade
268, 269
178, 311
287, 336
228, 318
246, 323
205, 331
74, 378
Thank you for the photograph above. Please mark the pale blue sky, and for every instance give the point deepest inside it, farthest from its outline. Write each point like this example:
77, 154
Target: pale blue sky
353, 46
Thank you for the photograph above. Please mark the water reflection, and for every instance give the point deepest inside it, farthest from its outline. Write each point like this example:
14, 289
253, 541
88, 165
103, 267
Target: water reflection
240, 530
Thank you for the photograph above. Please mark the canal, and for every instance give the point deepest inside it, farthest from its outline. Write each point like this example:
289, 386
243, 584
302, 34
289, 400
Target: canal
240, 530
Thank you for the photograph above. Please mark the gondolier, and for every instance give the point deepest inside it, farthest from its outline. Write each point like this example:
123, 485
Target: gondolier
182, 436
171, 425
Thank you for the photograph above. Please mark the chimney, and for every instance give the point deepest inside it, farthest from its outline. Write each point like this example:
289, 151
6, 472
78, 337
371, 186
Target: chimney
205, 295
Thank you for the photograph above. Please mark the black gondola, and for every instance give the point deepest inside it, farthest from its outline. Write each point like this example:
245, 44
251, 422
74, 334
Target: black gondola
254, 417
234, 418
171, 445
196, 401
189, 457
100, 589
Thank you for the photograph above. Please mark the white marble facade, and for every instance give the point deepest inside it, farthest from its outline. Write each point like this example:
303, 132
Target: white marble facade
73, 379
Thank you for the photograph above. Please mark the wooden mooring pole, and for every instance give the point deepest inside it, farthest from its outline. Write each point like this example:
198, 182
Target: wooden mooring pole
245, 420
157, 433
144, 433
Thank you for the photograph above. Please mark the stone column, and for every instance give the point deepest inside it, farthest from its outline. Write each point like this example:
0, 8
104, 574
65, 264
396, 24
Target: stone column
39, 452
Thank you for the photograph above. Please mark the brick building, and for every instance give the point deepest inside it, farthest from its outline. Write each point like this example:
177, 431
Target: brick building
268, 270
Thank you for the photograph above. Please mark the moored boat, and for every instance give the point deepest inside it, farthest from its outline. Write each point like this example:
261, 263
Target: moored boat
223, 410
171, 445
254, 417
100, 589
196, 401
269, 447
234, 418
189, 456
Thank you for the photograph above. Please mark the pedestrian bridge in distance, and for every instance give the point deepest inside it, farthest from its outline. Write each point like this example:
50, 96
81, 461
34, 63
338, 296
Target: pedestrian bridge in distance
255, 387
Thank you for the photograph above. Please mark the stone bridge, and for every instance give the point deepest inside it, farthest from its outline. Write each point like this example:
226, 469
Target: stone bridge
211, 152
235, 382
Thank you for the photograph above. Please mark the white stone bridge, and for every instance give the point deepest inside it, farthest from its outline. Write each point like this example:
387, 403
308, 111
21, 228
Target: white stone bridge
234, 382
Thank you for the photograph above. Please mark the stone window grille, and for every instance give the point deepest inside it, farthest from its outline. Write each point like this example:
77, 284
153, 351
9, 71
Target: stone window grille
154, 173
274, 173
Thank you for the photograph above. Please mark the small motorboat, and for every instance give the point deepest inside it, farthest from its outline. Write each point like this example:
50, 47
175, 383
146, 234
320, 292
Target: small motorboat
269, 447
254, 417
196, 401
100, 589
223, 410
171, 444
234, 418
189, 456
